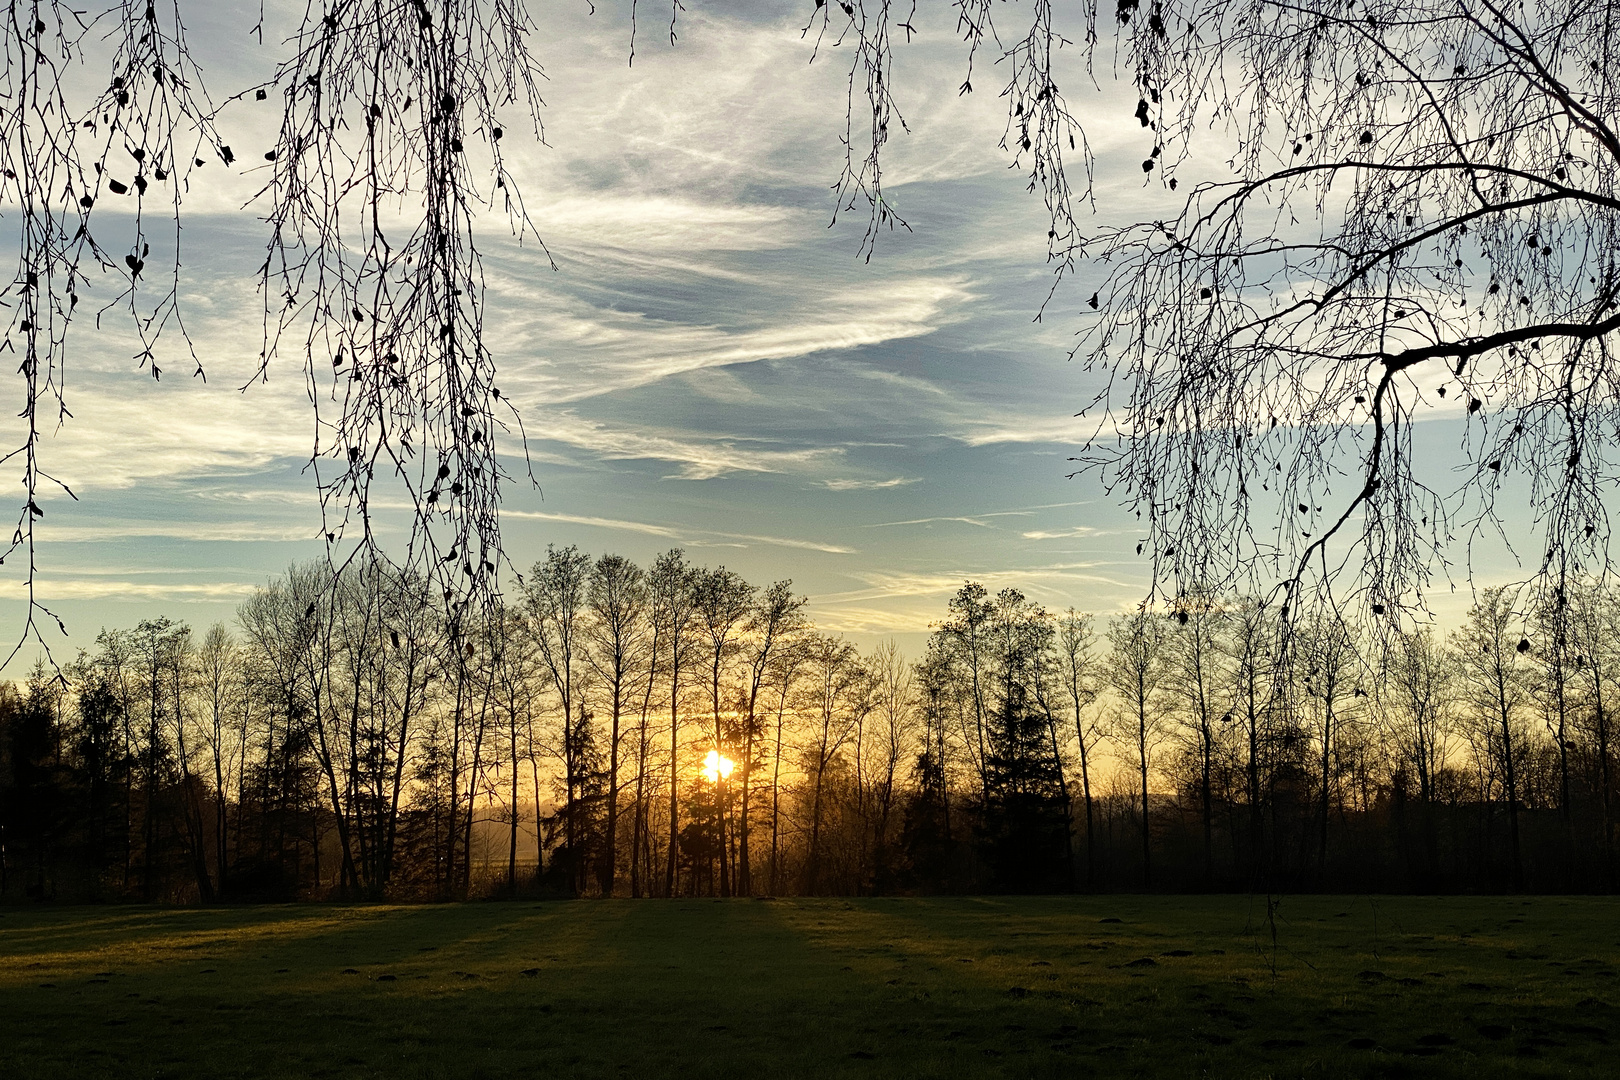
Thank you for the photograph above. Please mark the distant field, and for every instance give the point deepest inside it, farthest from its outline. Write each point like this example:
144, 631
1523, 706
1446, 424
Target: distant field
991, 987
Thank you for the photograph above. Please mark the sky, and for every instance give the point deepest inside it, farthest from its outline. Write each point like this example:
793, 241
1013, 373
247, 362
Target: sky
713, 364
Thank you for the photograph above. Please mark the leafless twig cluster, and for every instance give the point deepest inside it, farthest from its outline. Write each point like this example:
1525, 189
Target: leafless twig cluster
69, 159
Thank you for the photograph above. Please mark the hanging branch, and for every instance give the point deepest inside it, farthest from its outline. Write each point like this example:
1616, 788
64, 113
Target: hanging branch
392, 109
67, 159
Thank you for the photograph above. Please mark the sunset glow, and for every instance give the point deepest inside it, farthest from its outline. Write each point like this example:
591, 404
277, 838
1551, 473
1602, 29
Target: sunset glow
717, 767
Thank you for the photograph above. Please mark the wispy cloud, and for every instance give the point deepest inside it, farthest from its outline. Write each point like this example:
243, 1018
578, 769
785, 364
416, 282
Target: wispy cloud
975, 519
657, 223
870, 485
779, 541
611, 347
699, 458
49, 588
1063, 534
1067, 430
695, 536
598, 522
221, 531
704, 324
1034, 579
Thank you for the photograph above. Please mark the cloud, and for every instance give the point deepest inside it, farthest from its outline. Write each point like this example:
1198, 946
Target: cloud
843, 619
656, 224
695, 536
975, 519
48, 589
226, 531
870, 485
778, 541
890, 584
597, 522
560, 347
1068, 430
699, 457
1063, 534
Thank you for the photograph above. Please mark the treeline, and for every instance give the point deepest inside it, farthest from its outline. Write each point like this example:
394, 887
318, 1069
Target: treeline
676, 730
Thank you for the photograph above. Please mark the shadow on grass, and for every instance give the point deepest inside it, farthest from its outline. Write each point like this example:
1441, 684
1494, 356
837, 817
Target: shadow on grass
992, 987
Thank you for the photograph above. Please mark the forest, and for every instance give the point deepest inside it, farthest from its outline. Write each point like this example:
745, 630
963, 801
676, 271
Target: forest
676, 730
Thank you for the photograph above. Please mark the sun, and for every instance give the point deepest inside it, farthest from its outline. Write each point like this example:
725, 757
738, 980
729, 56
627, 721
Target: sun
717, 767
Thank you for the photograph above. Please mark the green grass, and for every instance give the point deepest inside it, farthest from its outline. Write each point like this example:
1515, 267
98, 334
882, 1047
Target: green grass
991, 987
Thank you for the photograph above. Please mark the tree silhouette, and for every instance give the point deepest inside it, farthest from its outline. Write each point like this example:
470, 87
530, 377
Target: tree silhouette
388, 149
1418, 220
1367, 214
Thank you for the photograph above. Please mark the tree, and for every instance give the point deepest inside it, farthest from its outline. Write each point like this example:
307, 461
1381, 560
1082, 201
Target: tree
836, 698
1197, 683
1551, 635
158, 648
1081, 684
775, 620
1025, 822
1421, 200
1136, 672
104, 759
962, 643
926, 833
349, 742
556, 597
616, 633
721, 602
1490, 656
1261, 332
1328, 651
895, 735
1596, 628
372, 271
670, 582
32, 786
1416, 694
516, 678
1260, 695
218, 680
785, 671
414, 639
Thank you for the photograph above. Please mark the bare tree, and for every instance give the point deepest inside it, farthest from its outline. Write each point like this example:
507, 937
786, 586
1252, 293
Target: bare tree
962, 641
1328, 654
1421, 201
836, 699
721, 603
70, 143
387, 152
775, 619
1198, 685
516, 678
785, 670
1552, 640
895, 726
556, 598
670, 582
1260, 695
616, 643
1595, 620
1416, 694
390, 113
1136, 673
1490, 656
1077, 670
218, 667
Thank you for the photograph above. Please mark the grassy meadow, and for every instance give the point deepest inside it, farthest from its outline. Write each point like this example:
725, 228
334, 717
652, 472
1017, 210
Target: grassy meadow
981, 987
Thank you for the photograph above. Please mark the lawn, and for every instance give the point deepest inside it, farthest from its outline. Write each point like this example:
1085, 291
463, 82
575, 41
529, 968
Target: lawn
982, 987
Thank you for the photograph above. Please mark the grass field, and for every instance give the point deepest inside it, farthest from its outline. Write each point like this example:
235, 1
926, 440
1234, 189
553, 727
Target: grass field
991, 987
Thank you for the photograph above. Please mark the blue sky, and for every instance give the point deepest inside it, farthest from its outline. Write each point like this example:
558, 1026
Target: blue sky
709, 366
